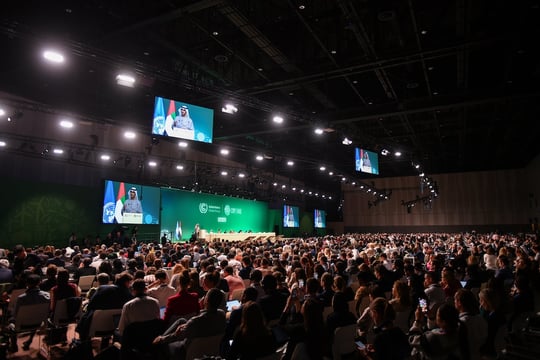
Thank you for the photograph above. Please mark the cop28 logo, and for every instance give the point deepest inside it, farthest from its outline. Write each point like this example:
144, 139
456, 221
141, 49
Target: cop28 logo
227, 210
203, 208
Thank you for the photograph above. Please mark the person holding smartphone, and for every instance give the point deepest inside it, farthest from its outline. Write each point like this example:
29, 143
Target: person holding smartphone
389, 342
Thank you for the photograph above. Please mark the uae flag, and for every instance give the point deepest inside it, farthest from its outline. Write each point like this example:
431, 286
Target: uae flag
178, 231
172, 109
120, 198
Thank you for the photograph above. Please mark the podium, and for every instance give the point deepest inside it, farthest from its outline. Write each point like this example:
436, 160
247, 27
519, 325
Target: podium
202, 234
132, 218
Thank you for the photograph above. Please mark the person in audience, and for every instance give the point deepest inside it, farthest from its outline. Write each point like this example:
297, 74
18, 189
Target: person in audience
160, 289
141, 308
447, 340
184, 304
467, 306
253, 339
273, 302
234, 282
85, 270
210, 322
435, 297
33, 295
6, 274
235, 316
341, 316
327, 285
389, 341
304, 327
57, 259
63, 289
50, 278
490, 308
106, 297
22, 262
402, 305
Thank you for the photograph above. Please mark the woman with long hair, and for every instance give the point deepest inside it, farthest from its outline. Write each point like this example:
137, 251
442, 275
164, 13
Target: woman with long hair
254, 339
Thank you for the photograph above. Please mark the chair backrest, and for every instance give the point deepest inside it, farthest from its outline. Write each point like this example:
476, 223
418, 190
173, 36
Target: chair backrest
237, 294
344, 341
327, 311
86, 281
403, 320
138, 336
13, 299
31, 317
103, 322
66, 311
203, 346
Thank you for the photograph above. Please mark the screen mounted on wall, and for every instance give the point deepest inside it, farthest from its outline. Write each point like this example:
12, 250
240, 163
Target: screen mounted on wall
366, 161
319, 219
291, 216
182, 120
126, 203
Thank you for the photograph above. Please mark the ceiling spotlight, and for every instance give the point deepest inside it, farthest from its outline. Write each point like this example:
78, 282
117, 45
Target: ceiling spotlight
301, 6
283, 186
259, 158
53, 56
343, 179
346, 141
322, 168
229, 109
152, 163
215, 33
290, 163
183, 144
274, 184
129, 135
277, 119
319, 131
224, 173
125, 80
224, 151
2, 143
333, 52
331, 173
423, 32
66, 124
241, 175
417, 166
421, 175
2, 112
58, 151
397, 153
179, 167
384, 152
105, 157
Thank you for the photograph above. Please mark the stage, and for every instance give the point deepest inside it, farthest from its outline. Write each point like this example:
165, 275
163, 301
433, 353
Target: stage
237, 236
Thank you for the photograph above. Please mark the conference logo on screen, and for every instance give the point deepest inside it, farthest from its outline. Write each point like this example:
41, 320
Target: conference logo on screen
203, 208
227, 210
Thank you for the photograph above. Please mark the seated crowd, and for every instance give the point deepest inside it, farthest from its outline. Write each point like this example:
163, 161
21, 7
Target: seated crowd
428, 296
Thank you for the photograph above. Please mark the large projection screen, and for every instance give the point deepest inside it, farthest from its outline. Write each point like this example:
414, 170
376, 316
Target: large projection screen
182, 210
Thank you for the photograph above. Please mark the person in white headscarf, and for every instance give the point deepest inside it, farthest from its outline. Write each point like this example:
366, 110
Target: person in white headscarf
132, 204
183, 121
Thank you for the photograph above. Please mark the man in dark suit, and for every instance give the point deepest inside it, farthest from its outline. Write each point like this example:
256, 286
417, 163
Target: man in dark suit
106, 297
273, 302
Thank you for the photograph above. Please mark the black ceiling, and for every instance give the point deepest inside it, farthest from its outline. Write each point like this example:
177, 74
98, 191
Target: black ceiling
451, 84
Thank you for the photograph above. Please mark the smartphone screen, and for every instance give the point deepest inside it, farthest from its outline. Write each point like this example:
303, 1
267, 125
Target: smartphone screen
360, 345
300, 283
423, 304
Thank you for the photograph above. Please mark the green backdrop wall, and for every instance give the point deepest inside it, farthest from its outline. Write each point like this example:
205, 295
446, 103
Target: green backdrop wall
35, 213
181, 210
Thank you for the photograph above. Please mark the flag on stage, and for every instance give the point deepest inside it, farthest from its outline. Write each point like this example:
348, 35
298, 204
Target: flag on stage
120, 198
108, 204
172, 109
178, 232
159, 117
